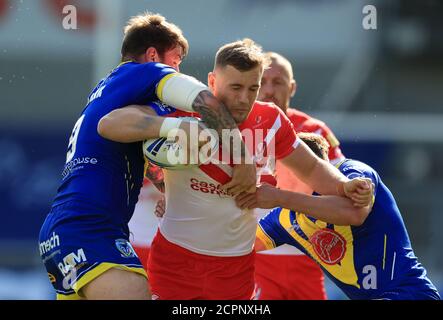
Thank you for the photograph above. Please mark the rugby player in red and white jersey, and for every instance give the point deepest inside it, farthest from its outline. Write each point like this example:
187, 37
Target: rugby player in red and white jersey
285, 272
204, 246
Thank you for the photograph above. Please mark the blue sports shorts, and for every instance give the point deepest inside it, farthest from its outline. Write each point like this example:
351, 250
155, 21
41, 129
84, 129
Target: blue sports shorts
77, 250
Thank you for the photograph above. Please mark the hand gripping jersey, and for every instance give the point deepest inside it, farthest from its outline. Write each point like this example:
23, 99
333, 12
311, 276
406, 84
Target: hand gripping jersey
199, 216
371, 261
103, 178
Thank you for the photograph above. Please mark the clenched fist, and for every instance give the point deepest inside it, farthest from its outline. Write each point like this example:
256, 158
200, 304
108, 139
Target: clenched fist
360, 191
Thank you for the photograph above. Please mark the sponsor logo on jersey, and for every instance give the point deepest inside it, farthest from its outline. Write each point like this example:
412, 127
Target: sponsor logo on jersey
125, 248
69, 266
72, 260
49, 244
77, 164
207, 187
329, 245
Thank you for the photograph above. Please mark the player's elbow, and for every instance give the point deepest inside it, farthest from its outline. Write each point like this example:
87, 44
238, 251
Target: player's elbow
105, 127
358, 216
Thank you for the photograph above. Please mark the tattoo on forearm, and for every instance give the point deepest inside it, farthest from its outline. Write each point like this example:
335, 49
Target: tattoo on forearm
144, 123
155, 175
213, 113
216, 116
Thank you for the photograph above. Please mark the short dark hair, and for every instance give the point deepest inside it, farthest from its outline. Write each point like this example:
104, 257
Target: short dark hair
151, 30
243, 55
316, 143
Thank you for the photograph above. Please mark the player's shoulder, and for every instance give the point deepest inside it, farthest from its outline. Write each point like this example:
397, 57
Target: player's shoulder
126, 67
273, 215
297, 114
266, 108
302, 118
267, 115
354, 167
145, 68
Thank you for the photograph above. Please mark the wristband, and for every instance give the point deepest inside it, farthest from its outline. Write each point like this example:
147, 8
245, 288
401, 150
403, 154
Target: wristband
168, 125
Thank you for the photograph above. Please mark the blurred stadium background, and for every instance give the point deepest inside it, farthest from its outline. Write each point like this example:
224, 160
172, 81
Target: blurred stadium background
381, 91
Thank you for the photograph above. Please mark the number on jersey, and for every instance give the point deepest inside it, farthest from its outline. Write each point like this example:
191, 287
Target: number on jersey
73, 139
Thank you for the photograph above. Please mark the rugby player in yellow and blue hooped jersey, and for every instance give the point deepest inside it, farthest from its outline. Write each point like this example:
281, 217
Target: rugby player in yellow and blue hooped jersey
84, 241
365, 251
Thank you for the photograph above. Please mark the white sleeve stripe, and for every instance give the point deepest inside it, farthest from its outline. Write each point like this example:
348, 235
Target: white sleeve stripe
272, 132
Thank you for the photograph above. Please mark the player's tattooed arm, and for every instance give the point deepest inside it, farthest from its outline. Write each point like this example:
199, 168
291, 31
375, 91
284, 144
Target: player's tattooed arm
155, 175
213, 112
217, 117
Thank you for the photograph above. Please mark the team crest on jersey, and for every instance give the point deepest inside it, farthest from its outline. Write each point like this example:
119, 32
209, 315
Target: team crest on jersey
329, 245
125, 248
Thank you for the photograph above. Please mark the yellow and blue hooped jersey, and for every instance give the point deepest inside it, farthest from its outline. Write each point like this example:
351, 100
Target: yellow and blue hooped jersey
371, 261
102, 178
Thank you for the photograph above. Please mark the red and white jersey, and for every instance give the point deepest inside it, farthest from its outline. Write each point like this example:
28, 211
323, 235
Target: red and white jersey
203, 219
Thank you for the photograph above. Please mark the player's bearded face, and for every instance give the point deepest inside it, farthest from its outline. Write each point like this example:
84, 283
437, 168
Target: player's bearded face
276, 86
237, 90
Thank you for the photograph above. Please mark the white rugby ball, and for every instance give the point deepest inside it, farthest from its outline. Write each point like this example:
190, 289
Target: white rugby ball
169, 154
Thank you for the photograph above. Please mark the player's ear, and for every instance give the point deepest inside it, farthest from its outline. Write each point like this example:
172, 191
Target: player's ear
151, 55
293, 87
211, 81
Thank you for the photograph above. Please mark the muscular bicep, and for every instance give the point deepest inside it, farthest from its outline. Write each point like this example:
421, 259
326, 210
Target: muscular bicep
301, 161
319, 174
130, 124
